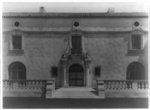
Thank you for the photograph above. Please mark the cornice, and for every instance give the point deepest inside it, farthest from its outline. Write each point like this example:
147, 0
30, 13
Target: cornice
74, 15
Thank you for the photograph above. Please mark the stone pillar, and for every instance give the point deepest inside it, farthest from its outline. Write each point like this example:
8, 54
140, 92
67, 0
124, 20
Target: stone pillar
64, 63
88, 77
101, 89
65, 76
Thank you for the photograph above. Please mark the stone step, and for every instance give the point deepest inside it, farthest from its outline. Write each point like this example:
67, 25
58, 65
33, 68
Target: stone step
75, 92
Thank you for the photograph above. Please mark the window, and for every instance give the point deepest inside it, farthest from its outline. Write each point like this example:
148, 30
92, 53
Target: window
17, 42
76, 24
76, 44
97, 71
16, 24
54, 71
136, 23
136, 41
17, 71
135, 71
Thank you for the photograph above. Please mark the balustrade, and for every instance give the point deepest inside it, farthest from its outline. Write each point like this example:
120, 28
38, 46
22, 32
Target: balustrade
23, 84
125, 84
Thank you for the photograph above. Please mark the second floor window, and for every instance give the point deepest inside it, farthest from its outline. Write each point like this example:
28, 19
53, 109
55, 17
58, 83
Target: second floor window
17, 42
76, 44
136, 41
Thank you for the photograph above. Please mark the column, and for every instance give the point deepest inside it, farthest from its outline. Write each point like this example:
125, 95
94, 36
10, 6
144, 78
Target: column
64, 62
65, 77
88, 76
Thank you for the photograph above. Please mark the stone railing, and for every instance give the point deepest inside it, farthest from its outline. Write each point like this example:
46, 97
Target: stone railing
25, 88
122, 87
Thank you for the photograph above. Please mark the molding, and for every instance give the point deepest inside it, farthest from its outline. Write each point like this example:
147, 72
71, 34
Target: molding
74, 15
82, 29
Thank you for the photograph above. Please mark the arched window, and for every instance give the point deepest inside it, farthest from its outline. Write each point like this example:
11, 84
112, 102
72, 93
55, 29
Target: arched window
135, 71
17, 71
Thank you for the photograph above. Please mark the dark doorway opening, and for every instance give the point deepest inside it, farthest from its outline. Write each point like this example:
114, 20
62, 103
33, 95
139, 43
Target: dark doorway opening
76, 75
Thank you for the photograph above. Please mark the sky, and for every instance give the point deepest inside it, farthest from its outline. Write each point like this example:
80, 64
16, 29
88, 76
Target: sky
74, 7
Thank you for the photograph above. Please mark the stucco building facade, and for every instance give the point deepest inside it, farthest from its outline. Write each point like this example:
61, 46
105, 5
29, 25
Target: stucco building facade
75, 49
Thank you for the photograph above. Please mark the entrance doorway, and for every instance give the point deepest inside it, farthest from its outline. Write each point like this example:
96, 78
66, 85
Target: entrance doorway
76, 75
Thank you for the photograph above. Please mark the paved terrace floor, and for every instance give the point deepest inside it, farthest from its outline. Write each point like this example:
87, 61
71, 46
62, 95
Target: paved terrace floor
75, 103
75, 92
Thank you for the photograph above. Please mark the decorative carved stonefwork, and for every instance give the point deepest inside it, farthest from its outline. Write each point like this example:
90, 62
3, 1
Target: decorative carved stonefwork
15, 52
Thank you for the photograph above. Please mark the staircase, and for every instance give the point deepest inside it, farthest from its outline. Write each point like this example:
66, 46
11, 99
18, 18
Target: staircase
75, 92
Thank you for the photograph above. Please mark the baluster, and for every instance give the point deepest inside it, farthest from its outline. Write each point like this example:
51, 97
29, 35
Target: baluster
10, 85
32, 84
26, 84
37, 84
4, 84
109, 84
123, 85
106, 83
142, 85
13, 83
19, 84
130, 85
112, 84
117, 83
40, 84
138, 85
120, 84
145, 85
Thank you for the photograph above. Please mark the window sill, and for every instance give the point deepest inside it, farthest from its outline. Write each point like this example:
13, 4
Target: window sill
16, 52
135, 52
